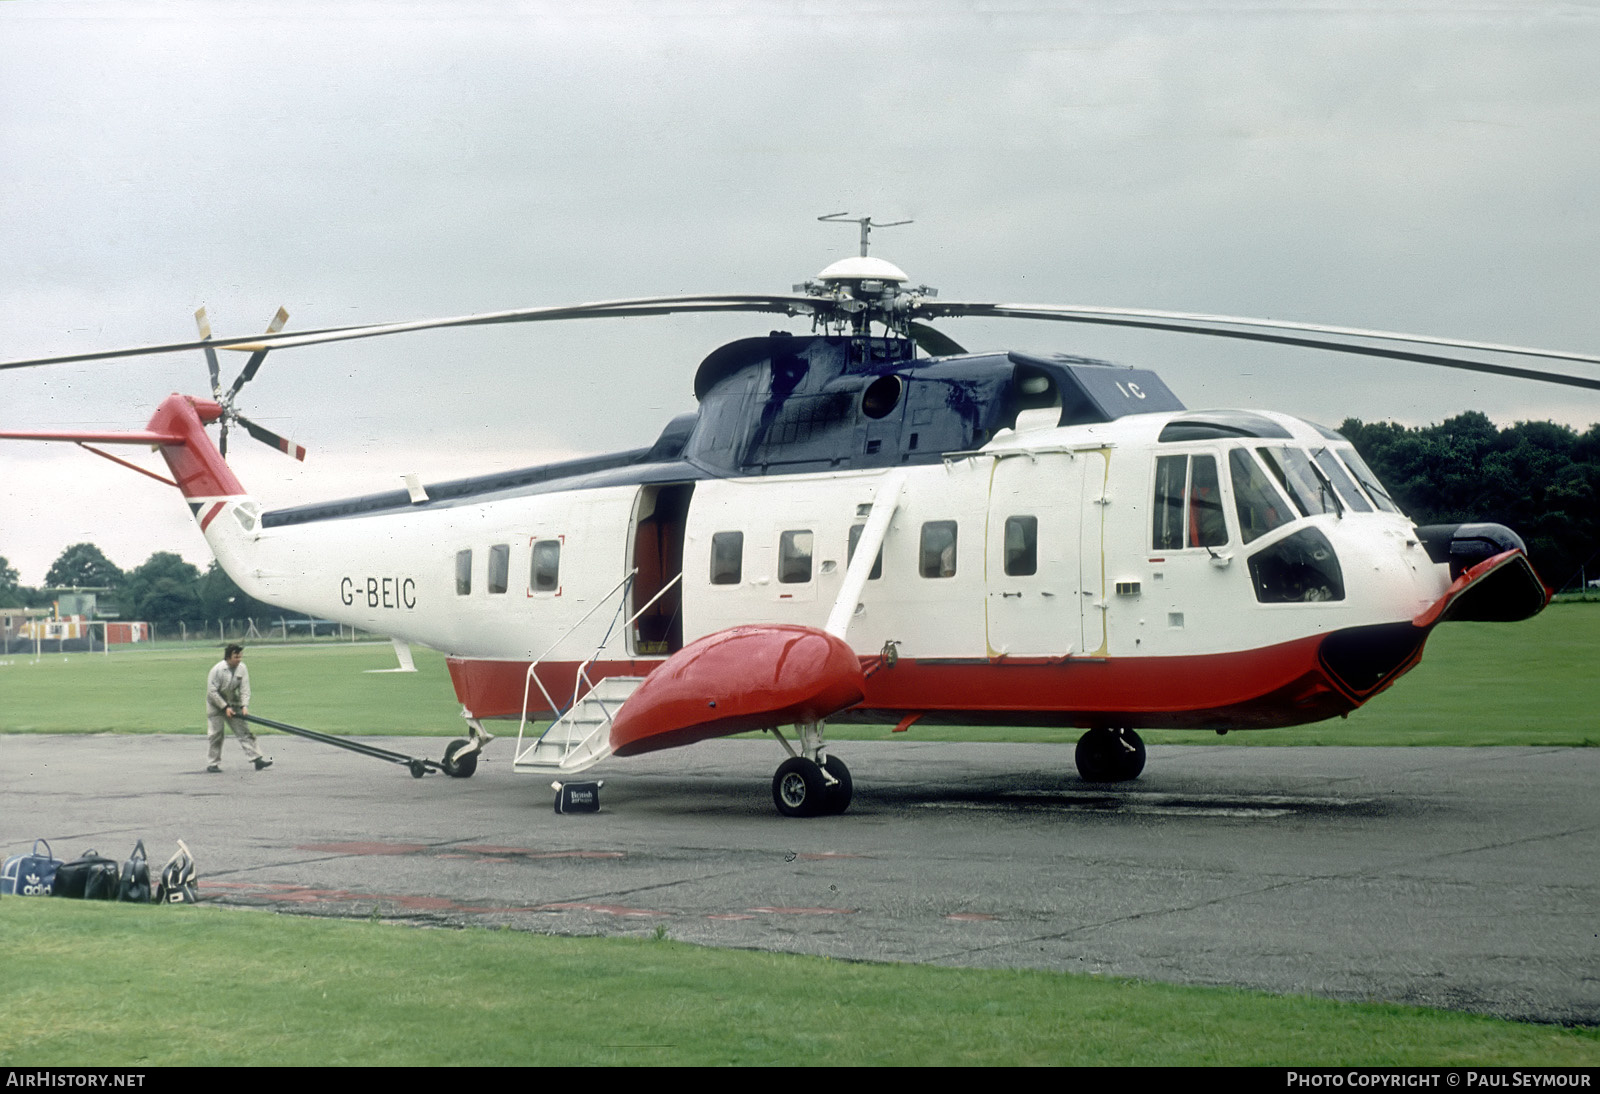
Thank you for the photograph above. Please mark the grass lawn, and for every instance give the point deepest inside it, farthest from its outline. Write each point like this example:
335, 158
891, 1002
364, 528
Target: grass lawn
1532, 683
126, 986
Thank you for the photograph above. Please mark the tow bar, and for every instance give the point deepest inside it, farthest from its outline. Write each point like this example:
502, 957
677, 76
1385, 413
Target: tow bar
417, 767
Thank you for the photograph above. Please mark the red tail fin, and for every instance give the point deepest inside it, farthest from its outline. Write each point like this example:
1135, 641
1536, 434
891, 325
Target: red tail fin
195, 462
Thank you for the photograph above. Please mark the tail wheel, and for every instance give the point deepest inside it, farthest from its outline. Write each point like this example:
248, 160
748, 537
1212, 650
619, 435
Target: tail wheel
798, 789
457, 766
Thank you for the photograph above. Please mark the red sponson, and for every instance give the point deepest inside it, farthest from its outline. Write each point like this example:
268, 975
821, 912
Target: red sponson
739, 679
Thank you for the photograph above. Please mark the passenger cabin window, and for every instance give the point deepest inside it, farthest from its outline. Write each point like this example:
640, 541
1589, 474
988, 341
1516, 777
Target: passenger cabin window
464, 572
545, 571
850, 552
794, 557
1022, 546
727, 558
499, 567
1261, 508
938, 555
1188, 504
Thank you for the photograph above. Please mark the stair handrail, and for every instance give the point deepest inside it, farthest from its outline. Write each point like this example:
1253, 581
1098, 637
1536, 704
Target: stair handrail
583, 669
582, 676
531, 678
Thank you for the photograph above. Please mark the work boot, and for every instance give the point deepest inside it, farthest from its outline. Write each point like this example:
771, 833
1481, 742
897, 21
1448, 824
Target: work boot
263, 761
213, 769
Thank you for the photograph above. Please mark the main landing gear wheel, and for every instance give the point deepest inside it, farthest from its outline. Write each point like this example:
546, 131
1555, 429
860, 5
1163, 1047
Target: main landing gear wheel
459, 768
838, 795
1110, 755
798, 789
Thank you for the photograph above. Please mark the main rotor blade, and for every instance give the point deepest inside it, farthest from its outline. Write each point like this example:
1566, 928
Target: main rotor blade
1194, 323
267, 436
603, 309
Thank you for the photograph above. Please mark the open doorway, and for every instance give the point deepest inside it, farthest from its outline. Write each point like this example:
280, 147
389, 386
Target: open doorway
659, 516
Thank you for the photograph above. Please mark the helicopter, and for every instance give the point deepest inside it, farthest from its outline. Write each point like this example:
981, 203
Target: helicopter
869, 523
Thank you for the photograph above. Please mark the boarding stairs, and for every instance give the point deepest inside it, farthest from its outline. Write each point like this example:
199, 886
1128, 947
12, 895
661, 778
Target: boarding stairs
581, 737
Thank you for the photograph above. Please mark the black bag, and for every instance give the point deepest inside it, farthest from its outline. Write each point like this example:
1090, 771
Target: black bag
578, 797
90, 877
135, 885
178, 884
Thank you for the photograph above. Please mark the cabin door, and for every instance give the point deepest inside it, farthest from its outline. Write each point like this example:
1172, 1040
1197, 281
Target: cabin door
1033, 555
659, 515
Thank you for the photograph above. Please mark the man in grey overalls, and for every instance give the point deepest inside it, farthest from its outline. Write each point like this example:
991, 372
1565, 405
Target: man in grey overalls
227, 696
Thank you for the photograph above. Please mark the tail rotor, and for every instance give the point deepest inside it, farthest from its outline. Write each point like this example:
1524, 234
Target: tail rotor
246, 374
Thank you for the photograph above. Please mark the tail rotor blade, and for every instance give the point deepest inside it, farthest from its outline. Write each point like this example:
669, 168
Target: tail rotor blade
267, 436
248, 373
204, 326
222, 444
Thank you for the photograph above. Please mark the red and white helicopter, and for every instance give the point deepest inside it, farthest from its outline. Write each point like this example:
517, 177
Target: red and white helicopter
868, 523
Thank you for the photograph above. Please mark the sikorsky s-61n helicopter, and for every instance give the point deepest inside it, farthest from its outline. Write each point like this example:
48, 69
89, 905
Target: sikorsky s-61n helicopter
869, 523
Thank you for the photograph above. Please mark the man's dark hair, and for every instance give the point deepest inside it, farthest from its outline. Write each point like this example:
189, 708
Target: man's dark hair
231, 650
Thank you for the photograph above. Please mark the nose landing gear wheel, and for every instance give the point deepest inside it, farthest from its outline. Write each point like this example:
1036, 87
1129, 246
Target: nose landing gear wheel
1110, 755
798, 789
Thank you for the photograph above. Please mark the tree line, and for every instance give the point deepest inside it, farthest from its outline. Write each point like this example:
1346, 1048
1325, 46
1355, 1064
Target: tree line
164, 589
1539, 479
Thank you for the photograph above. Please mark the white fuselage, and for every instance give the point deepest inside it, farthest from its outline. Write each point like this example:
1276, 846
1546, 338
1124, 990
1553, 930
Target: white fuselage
1099, 587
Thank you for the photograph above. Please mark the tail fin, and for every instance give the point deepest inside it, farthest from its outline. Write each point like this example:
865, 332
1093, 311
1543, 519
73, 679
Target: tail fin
197, 467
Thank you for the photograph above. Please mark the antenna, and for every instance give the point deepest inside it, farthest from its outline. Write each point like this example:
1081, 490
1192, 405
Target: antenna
866, 225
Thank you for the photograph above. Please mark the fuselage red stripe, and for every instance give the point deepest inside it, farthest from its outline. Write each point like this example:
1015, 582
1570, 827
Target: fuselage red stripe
1279, 685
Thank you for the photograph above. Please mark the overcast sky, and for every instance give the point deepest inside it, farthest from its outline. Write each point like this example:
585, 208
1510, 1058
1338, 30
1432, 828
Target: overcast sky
1414, 167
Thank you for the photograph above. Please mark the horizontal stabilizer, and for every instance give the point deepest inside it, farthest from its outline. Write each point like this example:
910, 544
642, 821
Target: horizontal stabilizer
132, 436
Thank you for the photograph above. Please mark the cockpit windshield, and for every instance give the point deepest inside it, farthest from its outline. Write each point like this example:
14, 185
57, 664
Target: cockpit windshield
1261, 508
1340, 478
1293, 469
1369, 481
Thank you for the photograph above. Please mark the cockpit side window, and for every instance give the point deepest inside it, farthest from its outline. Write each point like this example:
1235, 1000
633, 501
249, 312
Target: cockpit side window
1188, 504
1170, 473
1261, 508
1207, 526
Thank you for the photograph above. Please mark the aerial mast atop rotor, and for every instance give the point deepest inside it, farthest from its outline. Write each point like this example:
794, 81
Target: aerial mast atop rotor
862, 290
866, 225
